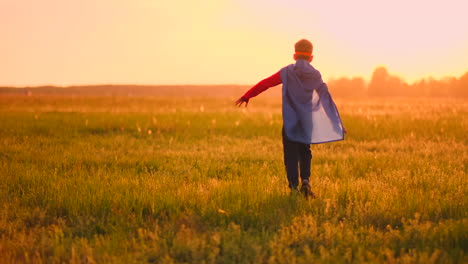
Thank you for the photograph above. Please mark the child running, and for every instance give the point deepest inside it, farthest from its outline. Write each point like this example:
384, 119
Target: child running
309, 114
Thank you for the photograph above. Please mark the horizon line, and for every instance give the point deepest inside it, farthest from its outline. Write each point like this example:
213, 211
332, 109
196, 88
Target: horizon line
365, 79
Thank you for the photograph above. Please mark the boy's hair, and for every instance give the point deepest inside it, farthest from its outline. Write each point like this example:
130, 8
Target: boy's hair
303, 45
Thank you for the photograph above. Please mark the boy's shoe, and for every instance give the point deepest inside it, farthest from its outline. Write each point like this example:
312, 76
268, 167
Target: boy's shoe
306, 190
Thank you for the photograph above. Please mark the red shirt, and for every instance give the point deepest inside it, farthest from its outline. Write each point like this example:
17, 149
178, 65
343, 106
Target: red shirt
263, 85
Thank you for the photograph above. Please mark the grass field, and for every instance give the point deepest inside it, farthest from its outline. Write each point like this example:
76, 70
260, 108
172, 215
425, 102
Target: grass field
197, 180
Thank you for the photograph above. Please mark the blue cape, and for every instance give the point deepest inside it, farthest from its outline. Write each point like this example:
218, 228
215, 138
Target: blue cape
309, 113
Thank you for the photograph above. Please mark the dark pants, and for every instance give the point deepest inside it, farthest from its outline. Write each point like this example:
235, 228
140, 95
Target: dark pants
296, 155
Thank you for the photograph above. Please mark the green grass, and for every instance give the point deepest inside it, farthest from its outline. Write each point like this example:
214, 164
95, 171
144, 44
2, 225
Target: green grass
196, 180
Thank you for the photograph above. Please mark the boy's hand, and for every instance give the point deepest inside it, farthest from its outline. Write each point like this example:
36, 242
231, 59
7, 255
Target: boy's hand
345, 131
241, 100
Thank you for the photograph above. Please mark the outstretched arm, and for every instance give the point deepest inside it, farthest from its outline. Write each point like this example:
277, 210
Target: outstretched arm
260, 87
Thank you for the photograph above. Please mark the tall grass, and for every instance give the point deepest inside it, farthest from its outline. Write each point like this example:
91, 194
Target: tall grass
196, 180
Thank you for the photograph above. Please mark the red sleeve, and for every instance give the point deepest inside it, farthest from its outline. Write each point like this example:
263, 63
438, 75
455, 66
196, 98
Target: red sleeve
263, 85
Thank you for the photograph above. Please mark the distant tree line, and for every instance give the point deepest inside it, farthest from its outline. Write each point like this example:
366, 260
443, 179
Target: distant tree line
383, 84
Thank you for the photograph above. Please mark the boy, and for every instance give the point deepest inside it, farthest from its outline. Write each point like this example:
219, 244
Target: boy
309, 114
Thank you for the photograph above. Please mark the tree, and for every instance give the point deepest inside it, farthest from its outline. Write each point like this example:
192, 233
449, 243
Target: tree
461, 87
384, 84
378, 83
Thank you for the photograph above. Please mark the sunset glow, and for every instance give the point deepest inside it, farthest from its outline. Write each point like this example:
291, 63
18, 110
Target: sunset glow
225, 42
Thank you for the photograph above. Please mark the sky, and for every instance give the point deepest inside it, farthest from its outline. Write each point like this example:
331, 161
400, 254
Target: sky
70, 42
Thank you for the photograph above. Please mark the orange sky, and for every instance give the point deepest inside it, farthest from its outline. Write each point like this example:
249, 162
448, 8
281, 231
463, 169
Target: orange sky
67, 42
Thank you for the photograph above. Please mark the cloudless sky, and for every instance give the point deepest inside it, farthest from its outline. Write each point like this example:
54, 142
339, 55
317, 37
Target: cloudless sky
68, 42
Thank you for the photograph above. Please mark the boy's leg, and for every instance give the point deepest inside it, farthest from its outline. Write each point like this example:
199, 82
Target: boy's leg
291, 160
305, 160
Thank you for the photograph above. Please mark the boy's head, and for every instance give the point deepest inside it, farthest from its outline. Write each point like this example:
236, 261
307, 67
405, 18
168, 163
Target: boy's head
303, 49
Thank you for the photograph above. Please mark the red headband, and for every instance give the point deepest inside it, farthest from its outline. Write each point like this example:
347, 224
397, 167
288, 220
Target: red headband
304, 53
